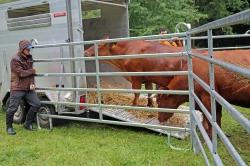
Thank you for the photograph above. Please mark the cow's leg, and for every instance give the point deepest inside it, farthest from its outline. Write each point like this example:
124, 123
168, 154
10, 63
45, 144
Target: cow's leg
218, 114
136, 84
149, 86
205, 98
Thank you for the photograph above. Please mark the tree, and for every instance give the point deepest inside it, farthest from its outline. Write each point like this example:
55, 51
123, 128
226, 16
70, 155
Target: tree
147, 17
216, 9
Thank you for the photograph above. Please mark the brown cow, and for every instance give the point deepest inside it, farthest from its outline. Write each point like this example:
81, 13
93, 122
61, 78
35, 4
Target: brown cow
140, 65
231, 86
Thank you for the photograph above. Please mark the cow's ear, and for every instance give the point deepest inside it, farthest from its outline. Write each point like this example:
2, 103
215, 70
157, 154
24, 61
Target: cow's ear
113, 45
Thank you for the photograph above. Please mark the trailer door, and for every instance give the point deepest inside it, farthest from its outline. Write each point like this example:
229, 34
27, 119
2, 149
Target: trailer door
75, 33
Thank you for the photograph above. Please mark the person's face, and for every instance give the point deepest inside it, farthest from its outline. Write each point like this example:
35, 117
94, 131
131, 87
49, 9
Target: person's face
26, 51
163, 32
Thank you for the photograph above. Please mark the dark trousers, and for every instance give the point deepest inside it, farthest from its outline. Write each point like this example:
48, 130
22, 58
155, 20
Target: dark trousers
15, 97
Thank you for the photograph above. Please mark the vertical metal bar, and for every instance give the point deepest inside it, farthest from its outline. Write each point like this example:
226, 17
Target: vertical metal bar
80, 28
71, 47
60, 80
191, 98
98, 81
127, 21
212, 88
202, 149
50, 123
38, 121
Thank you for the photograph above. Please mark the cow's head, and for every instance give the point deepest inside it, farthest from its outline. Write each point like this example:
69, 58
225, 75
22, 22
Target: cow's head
103, 49
163, 102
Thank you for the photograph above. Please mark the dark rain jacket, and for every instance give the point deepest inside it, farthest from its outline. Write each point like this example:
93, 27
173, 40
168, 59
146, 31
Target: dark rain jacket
22, 72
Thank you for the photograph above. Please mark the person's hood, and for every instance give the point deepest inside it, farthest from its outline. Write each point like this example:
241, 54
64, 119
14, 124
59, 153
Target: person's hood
24, 44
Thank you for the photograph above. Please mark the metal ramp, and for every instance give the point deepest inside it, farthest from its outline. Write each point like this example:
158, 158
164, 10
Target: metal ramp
123, 115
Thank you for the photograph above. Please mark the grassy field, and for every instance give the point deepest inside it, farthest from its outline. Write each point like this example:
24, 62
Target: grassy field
91, 144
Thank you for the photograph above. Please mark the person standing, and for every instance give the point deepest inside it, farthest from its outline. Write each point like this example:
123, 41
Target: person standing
22, 87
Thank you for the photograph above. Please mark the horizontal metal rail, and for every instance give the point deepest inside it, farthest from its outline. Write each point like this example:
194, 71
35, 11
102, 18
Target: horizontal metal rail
170, 128
132, 56
221, 36
111, 40
244, 122
231, 48
234, 19
139, 56
240, 70
168, 110
164, 73
175, 92
225, 48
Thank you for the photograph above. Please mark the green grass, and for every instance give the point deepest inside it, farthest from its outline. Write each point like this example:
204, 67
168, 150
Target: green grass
91, 144
238, 136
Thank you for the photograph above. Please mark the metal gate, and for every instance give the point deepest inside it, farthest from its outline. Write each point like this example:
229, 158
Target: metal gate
215, 97
196, 125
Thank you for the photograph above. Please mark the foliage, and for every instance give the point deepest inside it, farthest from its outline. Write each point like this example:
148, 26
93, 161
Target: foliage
147, 17
216, 9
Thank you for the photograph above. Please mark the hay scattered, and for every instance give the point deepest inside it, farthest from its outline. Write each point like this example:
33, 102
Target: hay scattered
125, 99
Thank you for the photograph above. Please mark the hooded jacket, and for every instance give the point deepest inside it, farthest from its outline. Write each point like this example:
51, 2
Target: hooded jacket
22, 72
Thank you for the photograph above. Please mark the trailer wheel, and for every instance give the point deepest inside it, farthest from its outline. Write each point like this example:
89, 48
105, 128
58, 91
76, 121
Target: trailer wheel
45, 109
20, 115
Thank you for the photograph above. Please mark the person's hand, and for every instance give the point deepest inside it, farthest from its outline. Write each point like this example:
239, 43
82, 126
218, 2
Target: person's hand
34, 71
32, 86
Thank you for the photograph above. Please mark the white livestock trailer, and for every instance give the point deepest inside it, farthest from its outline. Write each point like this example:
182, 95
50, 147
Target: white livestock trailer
56, 21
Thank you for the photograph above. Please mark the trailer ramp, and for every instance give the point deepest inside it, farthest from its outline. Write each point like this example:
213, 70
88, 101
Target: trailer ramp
123, 115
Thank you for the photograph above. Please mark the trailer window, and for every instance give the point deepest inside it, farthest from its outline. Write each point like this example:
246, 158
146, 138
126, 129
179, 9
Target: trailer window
29, 17
29, 11
91, 14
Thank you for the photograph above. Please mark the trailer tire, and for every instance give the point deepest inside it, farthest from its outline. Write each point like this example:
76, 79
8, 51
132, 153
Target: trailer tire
20, 115
45, 109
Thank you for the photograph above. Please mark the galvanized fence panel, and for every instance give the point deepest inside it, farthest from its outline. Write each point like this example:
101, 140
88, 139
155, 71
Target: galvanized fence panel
215, 97
99, 74
195, 122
